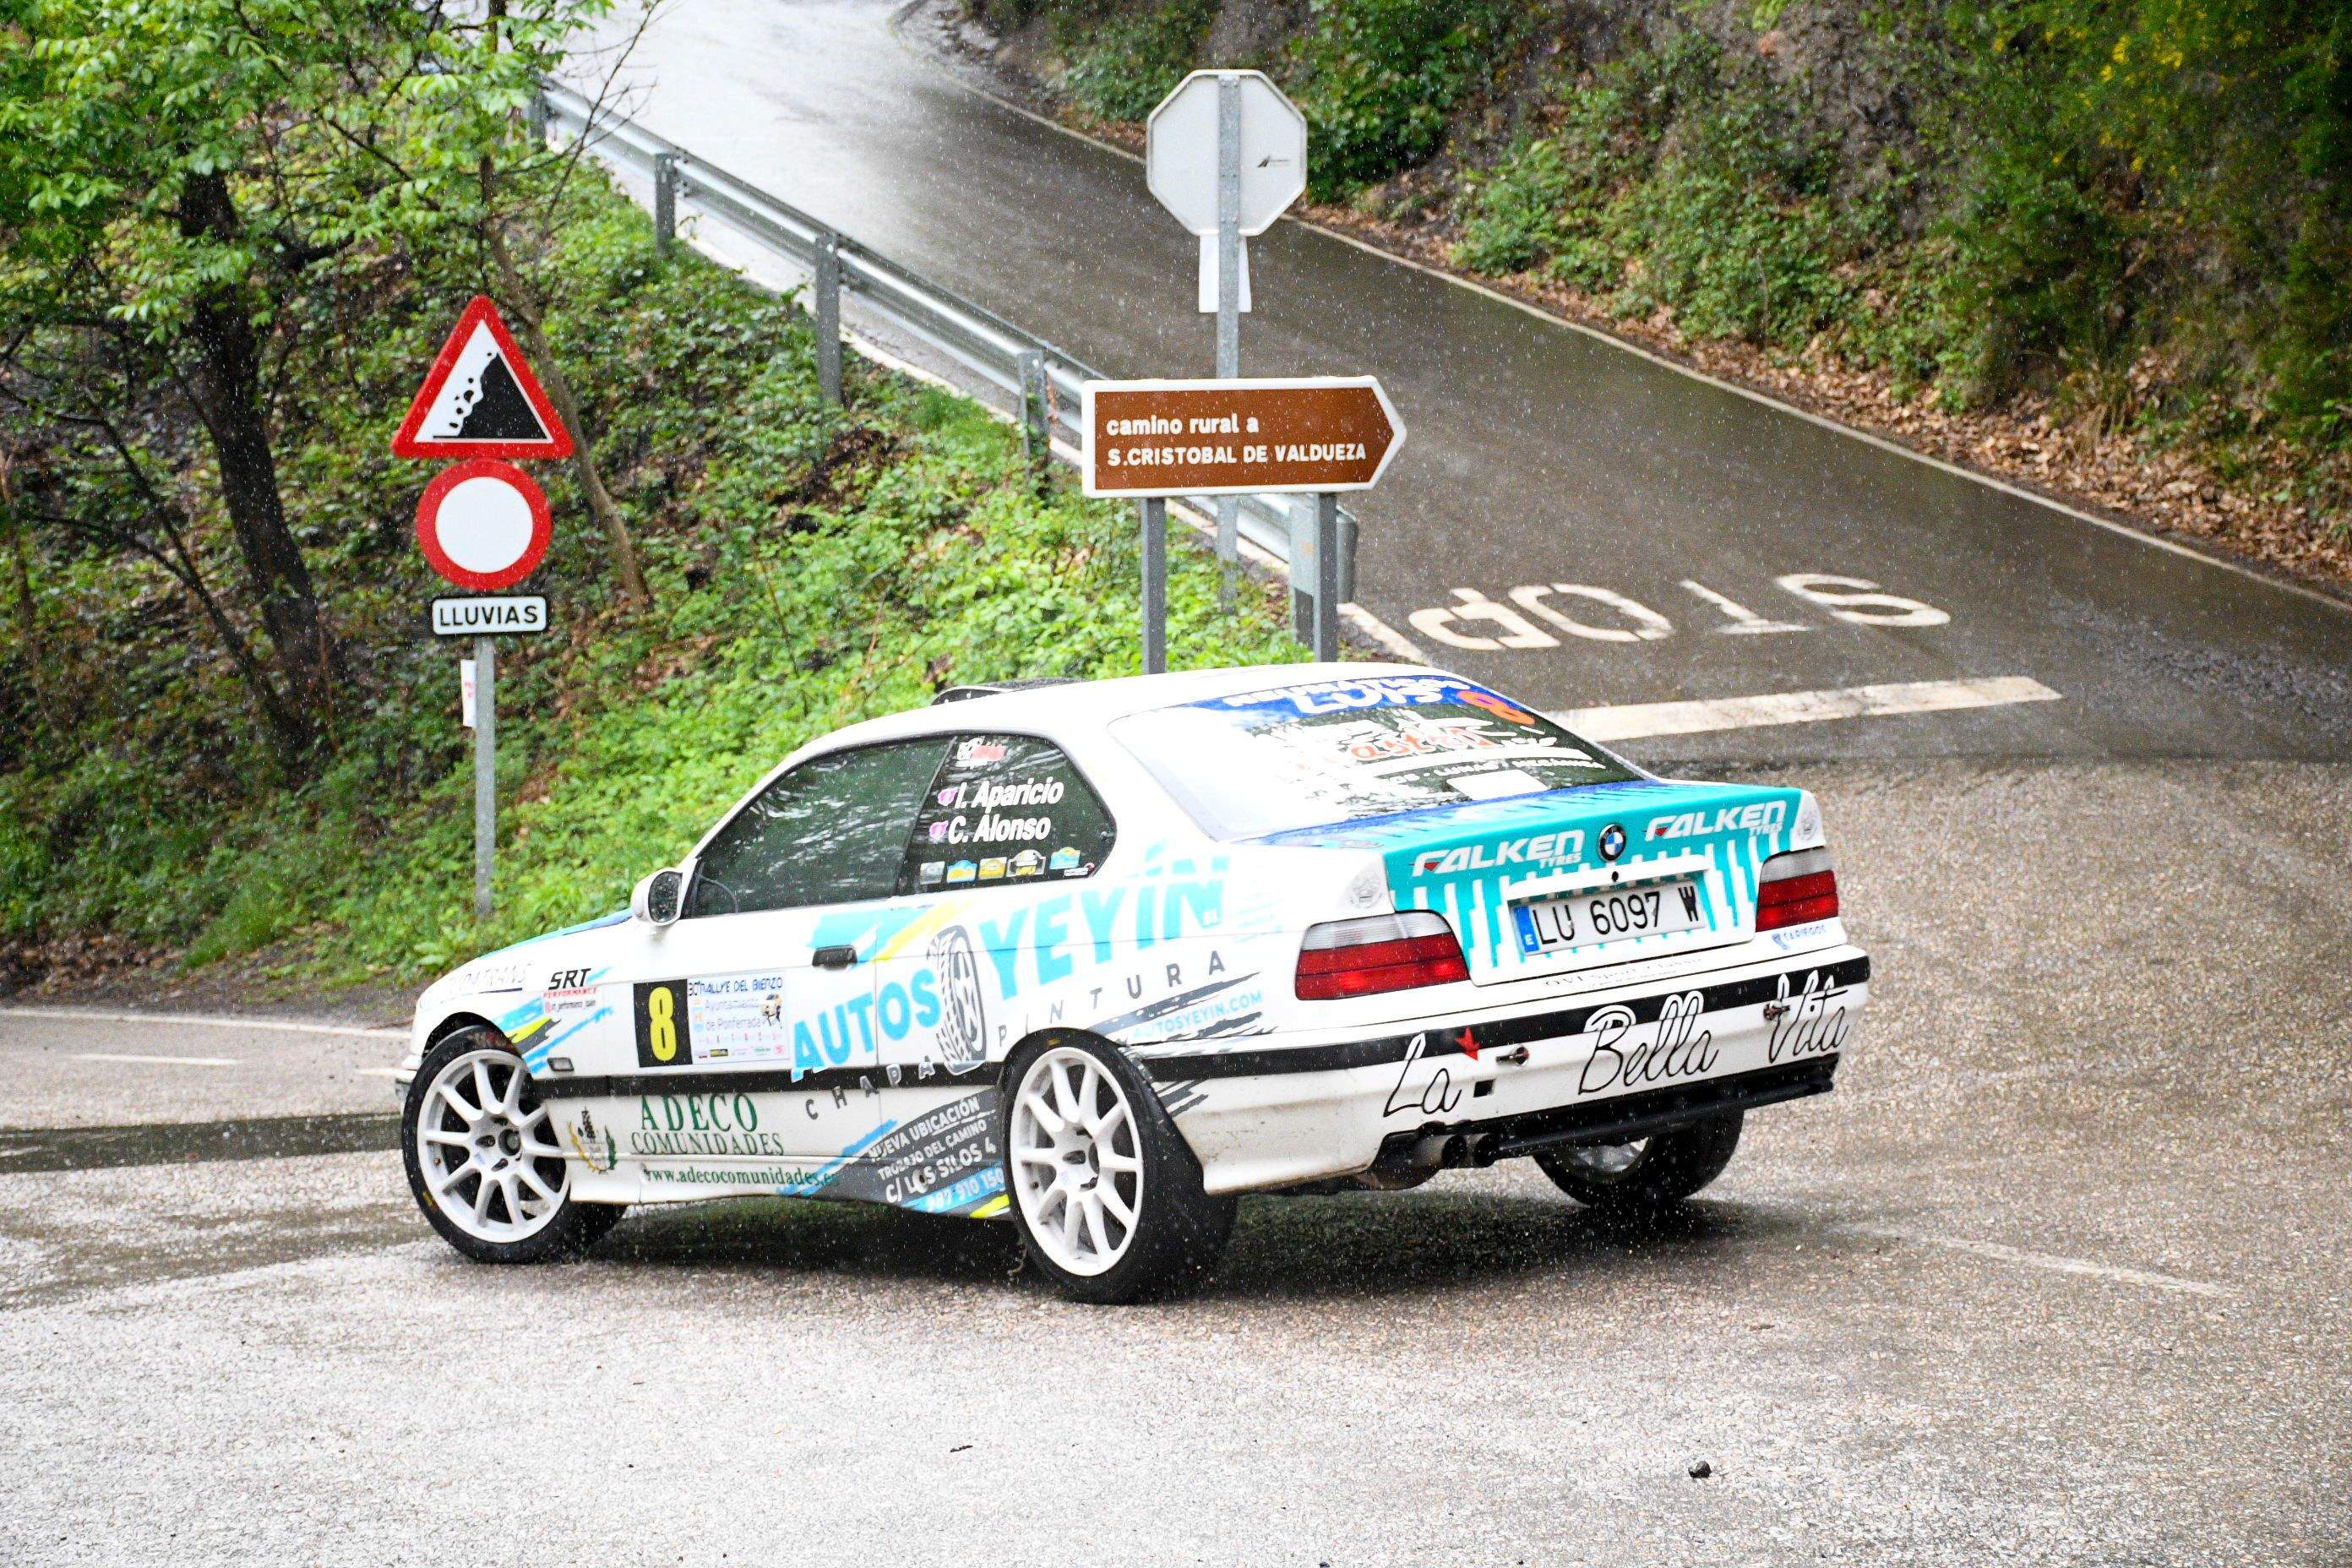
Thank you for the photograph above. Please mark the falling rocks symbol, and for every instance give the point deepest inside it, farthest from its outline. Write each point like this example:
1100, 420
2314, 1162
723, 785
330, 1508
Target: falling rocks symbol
493, 409
480, 399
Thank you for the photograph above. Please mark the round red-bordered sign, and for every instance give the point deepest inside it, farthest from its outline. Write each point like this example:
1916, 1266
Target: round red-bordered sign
484, 524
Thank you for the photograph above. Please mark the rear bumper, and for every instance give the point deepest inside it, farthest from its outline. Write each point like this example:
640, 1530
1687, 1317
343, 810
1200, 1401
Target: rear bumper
1477, 1086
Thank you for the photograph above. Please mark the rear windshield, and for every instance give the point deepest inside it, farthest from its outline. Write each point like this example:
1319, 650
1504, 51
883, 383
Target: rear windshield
1319, 753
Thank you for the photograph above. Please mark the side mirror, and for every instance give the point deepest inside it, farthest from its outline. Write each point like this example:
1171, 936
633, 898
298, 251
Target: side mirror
656, 898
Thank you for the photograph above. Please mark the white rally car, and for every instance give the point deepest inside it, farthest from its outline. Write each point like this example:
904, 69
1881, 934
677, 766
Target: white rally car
1101, 956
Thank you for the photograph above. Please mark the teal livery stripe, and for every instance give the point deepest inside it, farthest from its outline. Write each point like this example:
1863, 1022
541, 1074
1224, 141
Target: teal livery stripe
1469, 862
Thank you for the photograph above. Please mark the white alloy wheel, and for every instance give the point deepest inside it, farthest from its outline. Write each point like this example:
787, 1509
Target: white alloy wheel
1078, 1166
493, 1166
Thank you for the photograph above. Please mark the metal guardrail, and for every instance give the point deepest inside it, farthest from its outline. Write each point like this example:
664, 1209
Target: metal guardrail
1039, 378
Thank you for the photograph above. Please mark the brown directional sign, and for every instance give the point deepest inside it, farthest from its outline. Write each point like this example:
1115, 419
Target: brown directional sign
1236, 437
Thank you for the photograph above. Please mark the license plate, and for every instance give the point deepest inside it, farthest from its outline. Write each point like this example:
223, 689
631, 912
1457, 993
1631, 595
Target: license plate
1584, 920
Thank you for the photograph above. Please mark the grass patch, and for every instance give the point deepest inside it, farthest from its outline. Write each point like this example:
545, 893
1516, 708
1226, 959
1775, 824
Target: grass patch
812, 566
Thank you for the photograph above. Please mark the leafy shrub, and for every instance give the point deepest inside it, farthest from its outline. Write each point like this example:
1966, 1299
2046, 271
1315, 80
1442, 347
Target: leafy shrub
812, 565
1729, 221
1121, 68
1377, 78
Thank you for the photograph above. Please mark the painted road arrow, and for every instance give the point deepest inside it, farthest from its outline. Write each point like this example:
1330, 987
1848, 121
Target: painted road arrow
1236, 437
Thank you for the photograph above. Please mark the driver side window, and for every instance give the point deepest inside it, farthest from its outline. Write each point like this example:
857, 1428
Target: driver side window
831, 831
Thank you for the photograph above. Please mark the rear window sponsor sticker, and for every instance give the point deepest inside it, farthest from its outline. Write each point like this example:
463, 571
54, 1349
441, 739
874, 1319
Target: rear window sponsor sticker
1319, 753
1001, 804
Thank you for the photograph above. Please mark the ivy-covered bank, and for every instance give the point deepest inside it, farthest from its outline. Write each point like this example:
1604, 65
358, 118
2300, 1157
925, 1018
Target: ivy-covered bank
2105, 245
808, 566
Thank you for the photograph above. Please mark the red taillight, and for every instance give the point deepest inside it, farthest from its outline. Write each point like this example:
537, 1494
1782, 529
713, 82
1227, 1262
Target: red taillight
1381, 953
1796, 890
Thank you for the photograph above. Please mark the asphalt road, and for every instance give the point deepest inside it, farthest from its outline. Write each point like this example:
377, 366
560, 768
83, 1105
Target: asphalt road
1537, 457
2056, 1276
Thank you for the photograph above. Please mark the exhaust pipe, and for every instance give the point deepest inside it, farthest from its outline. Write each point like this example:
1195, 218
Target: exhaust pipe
1446, 1150
1438, 1150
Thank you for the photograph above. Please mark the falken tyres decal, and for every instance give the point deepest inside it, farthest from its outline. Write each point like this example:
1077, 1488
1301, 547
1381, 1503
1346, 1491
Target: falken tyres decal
1471, 867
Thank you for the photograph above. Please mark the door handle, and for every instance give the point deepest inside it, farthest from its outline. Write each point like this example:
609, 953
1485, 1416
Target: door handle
834, 957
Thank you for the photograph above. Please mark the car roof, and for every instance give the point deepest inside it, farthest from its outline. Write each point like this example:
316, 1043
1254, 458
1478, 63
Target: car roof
1087, 704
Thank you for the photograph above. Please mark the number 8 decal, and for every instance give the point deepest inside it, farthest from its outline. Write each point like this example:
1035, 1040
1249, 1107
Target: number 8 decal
664, 1035
661, 1008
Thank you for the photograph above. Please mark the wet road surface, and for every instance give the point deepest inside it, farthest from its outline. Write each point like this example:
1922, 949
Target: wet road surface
2054, 1275
1566, 519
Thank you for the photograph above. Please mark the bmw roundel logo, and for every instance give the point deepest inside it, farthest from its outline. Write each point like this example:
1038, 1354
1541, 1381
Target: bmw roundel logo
1612, 841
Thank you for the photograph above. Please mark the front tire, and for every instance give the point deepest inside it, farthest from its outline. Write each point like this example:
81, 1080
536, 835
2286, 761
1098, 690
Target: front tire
1107, 1195
1649, 1175
483, 1160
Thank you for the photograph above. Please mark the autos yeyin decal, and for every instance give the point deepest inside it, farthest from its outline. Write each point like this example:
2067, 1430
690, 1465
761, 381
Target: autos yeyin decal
1158, 955
1222, 1004
963, 1025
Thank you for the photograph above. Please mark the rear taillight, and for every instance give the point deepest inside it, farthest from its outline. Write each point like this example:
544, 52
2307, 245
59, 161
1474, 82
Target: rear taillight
1796, 890
1379, 953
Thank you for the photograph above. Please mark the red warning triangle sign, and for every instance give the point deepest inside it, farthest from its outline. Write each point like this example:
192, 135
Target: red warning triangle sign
480, 400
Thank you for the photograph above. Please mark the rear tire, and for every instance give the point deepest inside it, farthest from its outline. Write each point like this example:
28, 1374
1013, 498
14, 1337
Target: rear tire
482, 1158
1105, 1192
1650, 1175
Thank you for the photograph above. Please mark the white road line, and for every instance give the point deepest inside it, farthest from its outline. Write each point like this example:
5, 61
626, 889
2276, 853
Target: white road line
1380, 632
203, 1020
2051, 1261
157, 1061
1637, 720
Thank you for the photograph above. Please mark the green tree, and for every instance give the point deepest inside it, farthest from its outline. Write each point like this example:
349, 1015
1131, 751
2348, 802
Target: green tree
187, 187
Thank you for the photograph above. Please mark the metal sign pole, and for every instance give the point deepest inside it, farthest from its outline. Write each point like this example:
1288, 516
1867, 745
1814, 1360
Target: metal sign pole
1228, 301
828, 317
1155, 584
486, 772
1327, 577
665, 203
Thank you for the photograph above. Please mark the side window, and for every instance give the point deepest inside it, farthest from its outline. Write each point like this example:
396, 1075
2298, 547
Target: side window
831, 831
1007, 808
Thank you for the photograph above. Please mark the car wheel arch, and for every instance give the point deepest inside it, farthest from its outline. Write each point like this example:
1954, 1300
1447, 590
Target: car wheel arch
456, 1023
1017, 1061
1037, 1040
